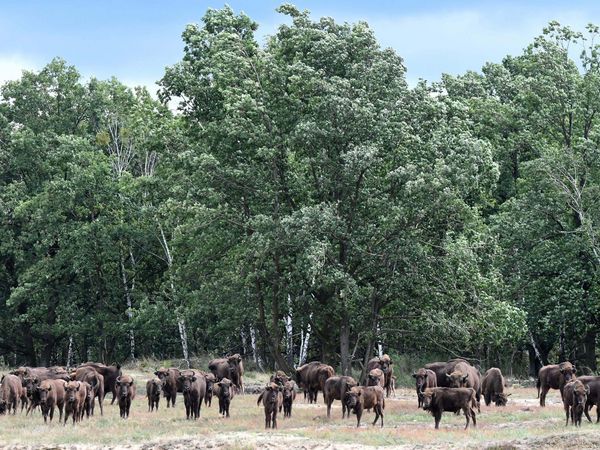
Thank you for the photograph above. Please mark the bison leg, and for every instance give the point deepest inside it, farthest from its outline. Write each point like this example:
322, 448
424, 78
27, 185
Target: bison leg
567, 414
586, 410
545, 390
437, 417
467, 415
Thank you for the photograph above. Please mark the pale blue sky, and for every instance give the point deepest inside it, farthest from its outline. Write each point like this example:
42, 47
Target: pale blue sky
135, 40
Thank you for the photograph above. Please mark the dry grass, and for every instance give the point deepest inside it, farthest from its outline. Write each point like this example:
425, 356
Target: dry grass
405, 425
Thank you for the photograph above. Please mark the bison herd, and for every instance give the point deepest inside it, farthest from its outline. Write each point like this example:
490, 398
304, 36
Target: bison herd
451, 386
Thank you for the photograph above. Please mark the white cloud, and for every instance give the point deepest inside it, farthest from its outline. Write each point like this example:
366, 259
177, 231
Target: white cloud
12, 66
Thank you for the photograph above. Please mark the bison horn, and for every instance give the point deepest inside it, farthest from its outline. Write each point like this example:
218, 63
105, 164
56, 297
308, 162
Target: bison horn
448, 376
415, 374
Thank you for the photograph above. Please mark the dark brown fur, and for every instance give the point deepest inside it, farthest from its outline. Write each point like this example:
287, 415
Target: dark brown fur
125, 391
554, 376
385, 364
96, 381
360, 398
272, 400
110, 374
424, 378
440, 399
574, 401
335, 389
75, 393
467, 376
231, 367
289, 395
224, 392
169, 377
10, 393
311, 378
52, 394
154, 388
194, 391
492, 387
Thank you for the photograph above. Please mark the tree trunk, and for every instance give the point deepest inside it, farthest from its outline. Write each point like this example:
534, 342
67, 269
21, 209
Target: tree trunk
586, 352
345, 344
128, 302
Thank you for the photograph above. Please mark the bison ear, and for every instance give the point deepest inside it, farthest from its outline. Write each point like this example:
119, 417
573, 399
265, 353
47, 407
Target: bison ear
118, 380
574, 369
156, 373
465, 377
587, 389
78, 385
414, 374
193, 379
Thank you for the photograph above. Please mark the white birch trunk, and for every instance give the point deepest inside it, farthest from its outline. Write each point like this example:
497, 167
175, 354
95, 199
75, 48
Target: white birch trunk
70, 353
180, 320
379, 346
305, 339
255, 354
129, 308
289, 335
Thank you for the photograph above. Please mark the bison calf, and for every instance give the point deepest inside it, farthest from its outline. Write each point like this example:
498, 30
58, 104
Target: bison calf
51, 395
440, 399
75, 393
424, 378
289, 395
154, 388
574, 400
272, 400
210, 382
492, 387
360, 398
224, 392
125, 389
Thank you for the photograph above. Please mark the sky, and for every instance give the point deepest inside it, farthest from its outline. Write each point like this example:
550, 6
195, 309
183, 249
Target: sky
134, 40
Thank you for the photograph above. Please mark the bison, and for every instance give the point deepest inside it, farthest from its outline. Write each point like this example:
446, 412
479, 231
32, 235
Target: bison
154, 388
311, 378
335, 389
360, 398
224, 392
554, 376
169, 378
125, 391
96, 381
384, 363
440, 399
75, 393
210, 382
465, 375
272, 400
10, 393
280, 377
376, 377
289, 395
231, 367
593, 398
51, 394
492, 387
574, 401
110, 374
424, 378
442, 368
194, 390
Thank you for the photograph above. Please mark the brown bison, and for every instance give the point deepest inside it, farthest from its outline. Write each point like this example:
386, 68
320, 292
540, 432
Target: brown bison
169, 378
360, 398
466, 376
289, 395
272, 400
42, 373
154, 388
574, 401
383, 363
125, 391
110, 374
210, 382
10, 393
75, 393
442, 368
440, 399
280, 377
52, 394
224, 392
593, 398
492, 387
194, 391
554, 376
335, 389
424, 378
376, 377
96, 381
31, 385
311, 378
231, 367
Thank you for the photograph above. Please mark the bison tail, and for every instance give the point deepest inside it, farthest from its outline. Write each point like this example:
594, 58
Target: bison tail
260, 397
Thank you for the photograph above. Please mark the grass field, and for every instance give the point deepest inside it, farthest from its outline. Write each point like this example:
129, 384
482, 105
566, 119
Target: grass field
522, 424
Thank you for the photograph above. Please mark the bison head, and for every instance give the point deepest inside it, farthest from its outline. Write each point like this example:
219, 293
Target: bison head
353, 398
428, 397
272, 393
288, 391
162, 373
71, 390
186, 381
567, 370
31, 384
43, 392
224, 388
123, 385
384, 363
457, 379
580, 393
501, 399
420, 377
